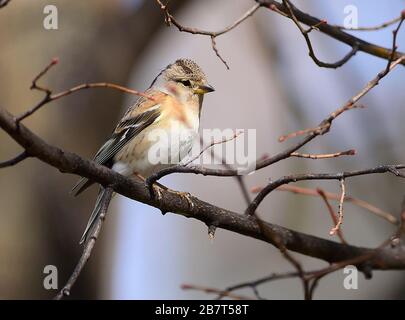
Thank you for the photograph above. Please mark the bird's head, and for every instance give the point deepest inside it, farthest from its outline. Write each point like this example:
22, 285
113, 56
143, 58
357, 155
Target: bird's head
184, 76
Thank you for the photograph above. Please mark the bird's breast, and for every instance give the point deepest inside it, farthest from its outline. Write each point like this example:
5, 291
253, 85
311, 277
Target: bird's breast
163, 144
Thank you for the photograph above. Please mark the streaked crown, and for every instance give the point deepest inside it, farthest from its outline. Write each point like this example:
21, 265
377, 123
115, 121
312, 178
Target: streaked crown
182, 70
185, 69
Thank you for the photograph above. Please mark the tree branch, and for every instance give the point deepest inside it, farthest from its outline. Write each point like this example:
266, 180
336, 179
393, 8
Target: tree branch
305, 34
311, 133
49, 97
320, 176
339, 222
249, 224
332, 31
169, 19
332, 214
21, 157
350, 152
287, 9
373, 28
134, 188
333, 196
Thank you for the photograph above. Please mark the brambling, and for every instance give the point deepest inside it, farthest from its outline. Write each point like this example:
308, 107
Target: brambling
171, 108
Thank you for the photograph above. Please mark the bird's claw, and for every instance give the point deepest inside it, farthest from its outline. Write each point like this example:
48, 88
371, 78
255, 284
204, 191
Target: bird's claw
157, 193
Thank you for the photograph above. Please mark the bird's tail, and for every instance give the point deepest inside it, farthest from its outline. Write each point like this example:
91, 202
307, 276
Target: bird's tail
94, 215
80, 186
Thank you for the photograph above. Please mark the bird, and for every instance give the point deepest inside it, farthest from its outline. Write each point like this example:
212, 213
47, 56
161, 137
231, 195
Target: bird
143, 141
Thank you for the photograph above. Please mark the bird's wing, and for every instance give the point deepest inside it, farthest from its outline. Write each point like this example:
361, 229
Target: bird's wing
137, 118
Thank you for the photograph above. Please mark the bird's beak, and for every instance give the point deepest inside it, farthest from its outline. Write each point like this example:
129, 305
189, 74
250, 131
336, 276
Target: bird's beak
203, 89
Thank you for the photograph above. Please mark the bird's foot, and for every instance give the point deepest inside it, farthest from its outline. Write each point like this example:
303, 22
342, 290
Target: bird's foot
156, 192
154, 188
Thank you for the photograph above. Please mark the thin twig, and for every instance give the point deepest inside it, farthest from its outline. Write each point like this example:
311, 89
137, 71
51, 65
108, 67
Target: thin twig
316, 176
312, 54
332, 214
254, 284
312, 277
351, 152
278, 242
205, 212
351, 104
211, 290
169, 19
35, 86
212, 143
394, 43
334, 196
257, 228
21, 157
359, 261
372, 28
214, 47
322, 129
299, 133
153, 178
232, 26
49, 97
88, 247
340, 211
330, 30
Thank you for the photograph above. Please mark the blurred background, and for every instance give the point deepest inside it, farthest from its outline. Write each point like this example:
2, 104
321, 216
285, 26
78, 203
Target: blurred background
272, 86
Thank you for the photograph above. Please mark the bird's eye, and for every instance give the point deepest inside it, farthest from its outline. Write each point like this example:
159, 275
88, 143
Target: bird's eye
186, 83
